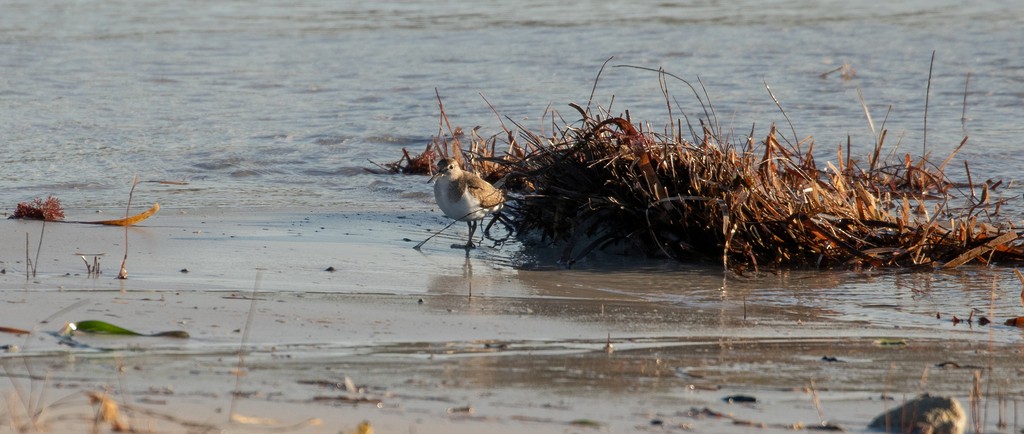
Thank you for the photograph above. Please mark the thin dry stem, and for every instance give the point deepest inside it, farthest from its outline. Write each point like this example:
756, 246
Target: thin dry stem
123, 274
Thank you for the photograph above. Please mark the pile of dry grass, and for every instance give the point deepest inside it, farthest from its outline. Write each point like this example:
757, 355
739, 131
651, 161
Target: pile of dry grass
605, 181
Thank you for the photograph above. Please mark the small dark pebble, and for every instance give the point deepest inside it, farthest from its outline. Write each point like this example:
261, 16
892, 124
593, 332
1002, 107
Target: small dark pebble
406, 240
330, 269
420, 301
657, 422
733, 399
983, 321
184, 270
829, 359
501, 346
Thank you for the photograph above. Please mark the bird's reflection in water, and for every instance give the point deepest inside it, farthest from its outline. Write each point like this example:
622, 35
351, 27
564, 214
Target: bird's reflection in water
467, 272
495, 271
453, 279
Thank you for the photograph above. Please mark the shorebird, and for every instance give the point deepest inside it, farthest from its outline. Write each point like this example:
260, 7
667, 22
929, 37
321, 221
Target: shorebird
465, 196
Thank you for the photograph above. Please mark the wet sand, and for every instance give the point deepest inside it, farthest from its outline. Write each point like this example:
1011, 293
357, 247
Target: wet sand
527, 352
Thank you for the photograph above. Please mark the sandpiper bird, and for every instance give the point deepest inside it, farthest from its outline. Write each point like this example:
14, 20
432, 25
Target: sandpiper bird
464, 196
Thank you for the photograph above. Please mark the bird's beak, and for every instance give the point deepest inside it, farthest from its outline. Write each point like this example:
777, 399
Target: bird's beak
435, 176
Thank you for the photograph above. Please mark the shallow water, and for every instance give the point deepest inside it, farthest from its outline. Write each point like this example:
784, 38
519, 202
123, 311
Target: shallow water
371, 253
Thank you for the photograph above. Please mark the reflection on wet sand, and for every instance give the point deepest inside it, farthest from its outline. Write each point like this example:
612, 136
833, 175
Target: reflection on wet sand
459, 280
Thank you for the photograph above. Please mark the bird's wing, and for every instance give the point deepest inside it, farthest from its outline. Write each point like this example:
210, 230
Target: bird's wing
488, 195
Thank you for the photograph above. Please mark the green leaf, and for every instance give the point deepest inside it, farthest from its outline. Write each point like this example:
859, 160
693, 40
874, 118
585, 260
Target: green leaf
586, 423
181, 334
103, 327
93, 326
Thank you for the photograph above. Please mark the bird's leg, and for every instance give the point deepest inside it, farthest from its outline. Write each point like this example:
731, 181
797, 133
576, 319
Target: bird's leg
472, 230
469, 242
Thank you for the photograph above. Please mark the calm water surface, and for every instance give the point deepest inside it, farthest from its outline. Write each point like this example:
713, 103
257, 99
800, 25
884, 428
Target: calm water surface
264, 103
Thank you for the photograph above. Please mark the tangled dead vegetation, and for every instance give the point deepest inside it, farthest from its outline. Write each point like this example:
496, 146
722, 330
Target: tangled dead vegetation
604, 180
48, 209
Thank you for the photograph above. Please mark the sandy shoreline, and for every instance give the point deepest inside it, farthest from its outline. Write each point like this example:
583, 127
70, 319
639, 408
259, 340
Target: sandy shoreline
525, 353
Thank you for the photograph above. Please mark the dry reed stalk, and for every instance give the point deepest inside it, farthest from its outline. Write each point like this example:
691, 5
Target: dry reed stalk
32, 266
123, 274
604, 179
